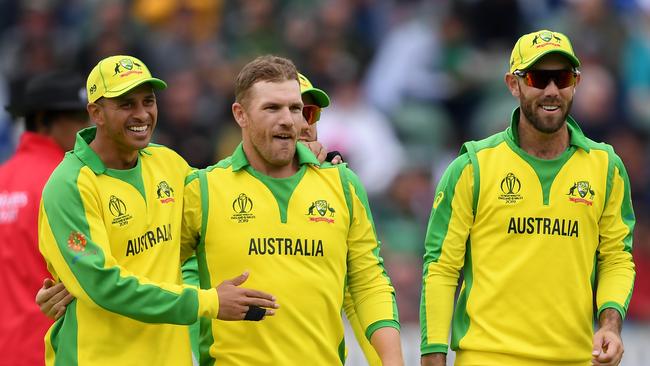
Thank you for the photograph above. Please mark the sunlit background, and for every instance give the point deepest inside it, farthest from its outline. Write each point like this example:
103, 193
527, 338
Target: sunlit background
409, 80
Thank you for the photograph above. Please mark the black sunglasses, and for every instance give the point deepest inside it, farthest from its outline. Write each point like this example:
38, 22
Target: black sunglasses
540, 78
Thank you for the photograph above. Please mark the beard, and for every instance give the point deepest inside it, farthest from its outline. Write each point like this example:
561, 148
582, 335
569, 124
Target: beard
542, 124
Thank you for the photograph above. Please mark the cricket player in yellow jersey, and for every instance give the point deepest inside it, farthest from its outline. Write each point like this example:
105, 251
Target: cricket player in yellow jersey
303, 231
540, 220
314, 100
109, 227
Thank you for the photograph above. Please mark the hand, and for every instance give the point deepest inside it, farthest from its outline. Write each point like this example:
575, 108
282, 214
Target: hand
235, 301
608, 348
337, 160
433, 359
608, 345
317, 148
53, 299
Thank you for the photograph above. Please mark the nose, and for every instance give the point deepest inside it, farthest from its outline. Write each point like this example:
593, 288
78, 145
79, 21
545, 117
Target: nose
551, 88
141, 112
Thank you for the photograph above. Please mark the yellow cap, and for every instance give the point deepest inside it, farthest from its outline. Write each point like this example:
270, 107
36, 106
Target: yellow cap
116, 75
532, 46
320, 96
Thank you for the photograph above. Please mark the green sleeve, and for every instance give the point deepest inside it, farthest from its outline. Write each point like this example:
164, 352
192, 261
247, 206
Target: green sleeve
445, 248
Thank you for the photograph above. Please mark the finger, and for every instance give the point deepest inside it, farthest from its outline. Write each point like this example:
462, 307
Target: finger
48, 282
322, 154
258, 294
262, 303
238, 280
269, 312
57, 294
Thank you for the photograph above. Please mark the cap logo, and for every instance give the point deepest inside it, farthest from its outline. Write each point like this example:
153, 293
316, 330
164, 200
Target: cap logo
93, 89
127, 64
546, 37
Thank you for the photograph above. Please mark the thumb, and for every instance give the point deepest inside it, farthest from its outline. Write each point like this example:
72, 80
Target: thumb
48, 282
598, 344
239, 279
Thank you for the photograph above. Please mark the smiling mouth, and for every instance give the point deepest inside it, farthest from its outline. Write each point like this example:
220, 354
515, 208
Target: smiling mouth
138, 129
550, 108
284, 136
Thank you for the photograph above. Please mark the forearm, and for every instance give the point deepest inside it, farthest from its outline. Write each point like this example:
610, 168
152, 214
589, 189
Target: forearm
386, 342
433, 359
610, 319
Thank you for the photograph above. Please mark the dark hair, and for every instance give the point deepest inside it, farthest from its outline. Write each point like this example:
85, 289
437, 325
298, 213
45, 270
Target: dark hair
263, 68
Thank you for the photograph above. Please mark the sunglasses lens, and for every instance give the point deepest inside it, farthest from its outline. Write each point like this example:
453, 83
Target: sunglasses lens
540, 78
311, 113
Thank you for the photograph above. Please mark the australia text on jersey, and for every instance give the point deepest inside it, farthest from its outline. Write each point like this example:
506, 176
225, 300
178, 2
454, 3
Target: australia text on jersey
543, 225
286, 246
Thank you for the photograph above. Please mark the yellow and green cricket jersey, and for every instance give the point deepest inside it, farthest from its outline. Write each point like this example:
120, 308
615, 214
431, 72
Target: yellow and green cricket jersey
113, 238
301, 238
536, 239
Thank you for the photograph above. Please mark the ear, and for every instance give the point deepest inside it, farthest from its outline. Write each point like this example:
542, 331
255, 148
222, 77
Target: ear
239, 113
512, 84
95, 113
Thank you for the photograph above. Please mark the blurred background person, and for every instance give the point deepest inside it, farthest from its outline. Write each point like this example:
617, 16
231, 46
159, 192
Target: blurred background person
52, 109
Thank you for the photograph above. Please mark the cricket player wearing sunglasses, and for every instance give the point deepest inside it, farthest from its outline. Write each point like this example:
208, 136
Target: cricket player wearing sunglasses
539, 217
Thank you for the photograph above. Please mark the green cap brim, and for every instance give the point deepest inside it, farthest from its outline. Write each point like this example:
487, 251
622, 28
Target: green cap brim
155, 83
574, 61
321, 98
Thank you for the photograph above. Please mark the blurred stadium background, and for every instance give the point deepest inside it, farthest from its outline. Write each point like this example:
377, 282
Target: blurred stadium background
410, 80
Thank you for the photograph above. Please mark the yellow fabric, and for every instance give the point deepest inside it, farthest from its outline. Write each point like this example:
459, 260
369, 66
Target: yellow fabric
303, 262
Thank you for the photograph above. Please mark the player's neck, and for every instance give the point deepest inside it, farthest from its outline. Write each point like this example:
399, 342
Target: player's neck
540, 144
112, 156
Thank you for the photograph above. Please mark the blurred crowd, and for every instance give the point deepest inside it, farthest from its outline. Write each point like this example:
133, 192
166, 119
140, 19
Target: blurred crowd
410, 80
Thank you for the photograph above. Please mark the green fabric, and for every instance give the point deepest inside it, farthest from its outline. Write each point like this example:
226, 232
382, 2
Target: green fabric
65, 343
381, 324
190, 272
342, 351
434, 348
206, 338
132, 176
438, 227
460, 322
281, 188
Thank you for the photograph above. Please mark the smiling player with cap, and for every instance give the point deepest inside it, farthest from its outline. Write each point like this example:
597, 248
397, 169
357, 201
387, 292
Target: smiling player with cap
109, 228
537, 236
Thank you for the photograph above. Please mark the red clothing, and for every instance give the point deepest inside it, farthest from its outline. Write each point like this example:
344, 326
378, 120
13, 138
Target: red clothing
22, 269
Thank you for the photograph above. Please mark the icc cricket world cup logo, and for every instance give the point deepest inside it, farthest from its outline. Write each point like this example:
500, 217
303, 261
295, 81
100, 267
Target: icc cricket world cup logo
242, 205
510, 187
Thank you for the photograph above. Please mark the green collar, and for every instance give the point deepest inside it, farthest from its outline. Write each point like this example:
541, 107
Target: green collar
305, 156
576, 136
87, 155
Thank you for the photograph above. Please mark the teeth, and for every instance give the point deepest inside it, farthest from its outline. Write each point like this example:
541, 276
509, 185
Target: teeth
138, 128
550, 107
